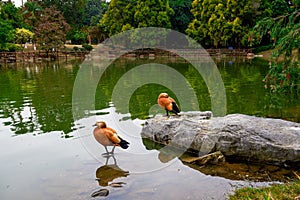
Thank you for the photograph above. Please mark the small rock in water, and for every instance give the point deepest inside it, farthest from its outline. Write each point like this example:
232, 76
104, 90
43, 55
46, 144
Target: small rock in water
101, 193
117, 184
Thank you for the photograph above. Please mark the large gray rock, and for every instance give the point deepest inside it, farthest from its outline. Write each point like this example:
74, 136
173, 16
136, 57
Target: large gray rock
236, 136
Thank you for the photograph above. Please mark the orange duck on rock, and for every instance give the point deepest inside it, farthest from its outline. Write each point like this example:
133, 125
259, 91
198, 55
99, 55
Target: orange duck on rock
108, 137
168, 103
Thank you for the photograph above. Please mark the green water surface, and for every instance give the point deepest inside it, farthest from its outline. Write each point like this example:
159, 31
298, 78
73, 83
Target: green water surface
44, 156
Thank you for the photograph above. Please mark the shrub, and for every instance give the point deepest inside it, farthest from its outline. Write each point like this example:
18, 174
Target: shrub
262, 48
10, 47
282, 77
87, 47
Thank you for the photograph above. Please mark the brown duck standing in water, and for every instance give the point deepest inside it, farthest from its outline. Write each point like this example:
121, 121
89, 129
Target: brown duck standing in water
108, 137
168, 103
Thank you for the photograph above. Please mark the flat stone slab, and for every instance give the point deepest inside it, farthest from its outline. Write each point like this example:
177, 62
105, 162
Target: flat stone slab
216, 157
237, 136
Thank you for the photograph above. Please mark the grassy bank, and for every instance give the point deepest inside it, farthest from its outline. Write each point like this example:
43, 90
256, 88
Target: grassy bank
288, 191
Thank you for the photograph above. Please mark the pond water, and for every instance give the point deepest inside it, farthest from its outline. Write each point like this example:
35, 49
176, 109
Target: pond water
46, 154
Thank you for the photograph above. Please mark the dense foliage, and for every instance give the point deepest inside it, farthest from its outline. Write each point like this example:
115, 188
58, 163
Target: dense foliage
50, 32
23, 35
284, 30
182, 14
222, 23
117, 16
6, 34
72, 10
30, 13
9, 21
125, 15
213, 23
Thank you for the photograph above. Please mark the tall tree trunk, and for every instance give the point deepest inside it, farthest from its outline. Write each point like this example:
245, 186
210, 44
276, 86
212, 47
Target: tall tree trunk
89, 39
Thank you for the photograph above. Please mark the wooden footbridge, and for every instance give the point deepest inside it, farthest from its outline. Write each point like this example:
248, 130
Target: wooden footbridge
34, 56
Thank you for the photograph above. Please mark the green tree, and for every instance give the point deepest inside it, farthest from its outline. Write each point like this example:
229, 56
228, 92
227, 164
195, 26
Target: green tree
78, 36
199, 28
72, 10
9, 20
129, 14
10, 13
283, 76
216, 24
51, 29
31, 12
261, 9
23, 35
73, 13
94, 11
119, 13
96, 33
182, 15
279, 7
222, 22
153, 13
6, 34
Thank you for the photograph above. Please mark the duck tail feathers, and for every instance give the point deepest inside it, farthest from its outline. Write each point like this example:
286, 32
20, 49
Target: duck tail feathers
175, 108
124, 144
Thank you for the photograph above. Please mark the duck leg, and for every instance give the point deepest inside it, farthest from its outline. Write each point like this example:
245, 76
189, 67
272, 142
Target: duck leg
167, 112
112, 151
107, 153
108, 157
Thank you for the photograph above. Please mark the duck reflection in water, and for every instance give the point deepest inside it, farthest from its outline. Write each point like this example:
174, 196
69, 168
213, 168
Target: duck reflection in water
109, 172
106, 174
108, 137
165, 157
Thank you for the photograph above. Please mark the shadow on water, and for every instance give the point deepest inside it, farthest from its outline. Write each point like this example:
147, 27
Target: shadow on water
229, 169
106, 174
